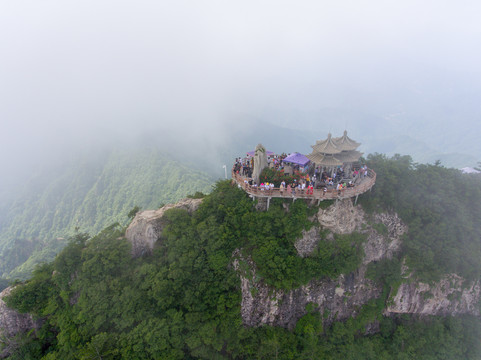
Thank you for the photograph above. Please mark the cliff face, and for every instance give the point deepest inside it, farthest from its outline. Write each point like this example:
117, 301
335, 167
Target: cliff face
147, 226
341, 298
449, 296
12, 323
335, 299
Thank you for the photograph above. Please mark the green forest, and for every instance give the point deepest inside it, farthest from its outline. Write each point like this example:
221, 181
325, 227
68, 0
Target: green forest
183, 301
86, 196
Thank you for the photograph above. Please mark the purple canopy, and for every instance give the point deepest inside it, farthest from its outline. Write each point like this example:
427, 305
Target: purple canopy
252, 153
297, 158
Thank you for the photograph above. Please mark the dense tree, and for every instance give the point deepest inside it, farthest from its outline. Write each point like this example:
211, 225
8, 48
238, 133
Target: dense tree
441, 207
86, 196
183, 302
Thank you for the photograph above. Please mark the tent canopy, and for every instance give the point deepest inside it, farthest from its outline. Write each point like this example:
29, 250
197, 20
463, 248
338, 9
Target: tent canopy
296, 158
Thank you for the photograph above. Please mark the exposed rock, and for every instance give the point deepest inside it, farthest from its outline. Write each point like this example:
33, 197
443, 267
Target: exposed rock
449, 296
341, 298
341, 217
261, 204
377, 246
308, 242
12, 323
147, 226
336, 299
372, 328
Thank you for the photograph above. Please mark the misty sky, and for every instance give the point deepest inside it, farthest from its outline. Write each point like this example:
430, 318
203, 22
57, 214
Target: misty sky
72, 72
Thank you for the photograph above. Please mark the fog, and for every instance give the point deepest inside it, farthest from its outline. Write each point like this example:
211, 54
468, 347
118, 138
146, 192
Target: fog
81, 73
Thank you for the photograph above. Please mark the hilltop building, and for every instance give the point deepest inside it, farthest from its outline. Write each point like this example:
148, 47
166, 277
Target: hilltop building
334, 172
333, 152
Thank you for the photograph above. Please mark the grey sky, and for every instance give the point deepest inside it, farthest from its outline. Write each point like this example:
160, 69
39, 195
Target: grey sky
71, 69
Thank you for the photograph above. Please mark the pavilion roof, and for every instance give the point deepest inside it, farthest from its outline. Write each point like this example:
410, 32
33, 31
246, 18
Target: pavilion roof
349, 156
327, 146
324, 160
345, 143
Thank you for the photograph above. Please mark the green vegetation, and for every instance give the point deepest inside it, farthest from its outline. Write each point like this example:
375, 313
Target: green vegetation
269, 238
86, 196
183, 302
441, 207
276, 177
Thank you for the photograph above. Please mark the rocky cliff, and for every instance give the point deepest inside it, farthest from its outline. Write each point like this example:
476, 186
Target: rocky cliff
12, 323
147, 226
449, 296
335, 298
342, 297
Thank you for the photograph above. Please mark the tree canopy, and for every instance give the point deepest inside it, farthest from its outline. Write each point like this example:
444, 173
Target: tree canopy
183, 302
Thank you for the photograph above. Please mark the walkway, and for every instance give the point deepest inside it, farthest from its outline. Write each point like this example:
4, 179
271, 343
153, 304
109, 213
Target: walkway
331, 194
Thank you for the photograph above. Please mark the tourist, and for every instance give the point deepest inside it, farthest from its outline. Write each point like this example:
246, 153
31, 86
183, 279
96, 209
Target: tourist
309, 190
282, 187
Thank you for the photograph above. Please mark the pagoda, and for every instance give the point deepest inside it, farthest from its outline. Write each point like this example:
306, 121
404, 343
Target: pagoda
333, 152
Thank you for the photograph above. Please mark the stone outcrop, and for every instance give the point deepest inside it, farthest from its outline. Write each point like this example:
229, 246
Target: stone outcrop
308, 242
341, 298
449, 296
341, 217
379, 246
12, 323
336, 299
147, 226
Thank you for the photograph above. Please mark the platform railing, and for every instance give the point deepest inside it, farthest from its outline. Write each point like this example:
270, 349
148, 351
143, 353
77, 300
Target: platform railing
318, 194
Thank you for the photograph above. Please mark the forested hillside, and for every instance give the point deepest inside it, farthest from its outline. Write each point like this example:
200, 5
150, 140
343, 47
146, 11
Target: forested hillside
442, 209
85, 196
183, 302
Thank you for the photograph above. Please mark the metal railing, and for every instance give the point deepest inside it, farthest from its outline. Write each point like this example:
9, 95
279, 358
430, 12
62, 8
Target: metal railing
319, 194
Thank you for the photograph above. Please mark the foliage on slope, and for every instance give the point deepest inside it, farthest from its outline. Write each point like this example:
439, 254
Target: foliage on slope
87, 196
183, 302
441, 207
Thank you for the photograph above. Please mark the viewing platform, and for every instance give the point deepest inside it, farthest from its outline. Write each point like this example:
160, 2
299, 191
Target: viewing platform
332, 171
361, 186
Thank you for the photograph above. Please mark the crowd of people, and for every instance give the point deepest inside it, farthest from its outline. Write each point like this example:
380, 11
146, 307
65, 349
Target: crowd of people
310, 177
